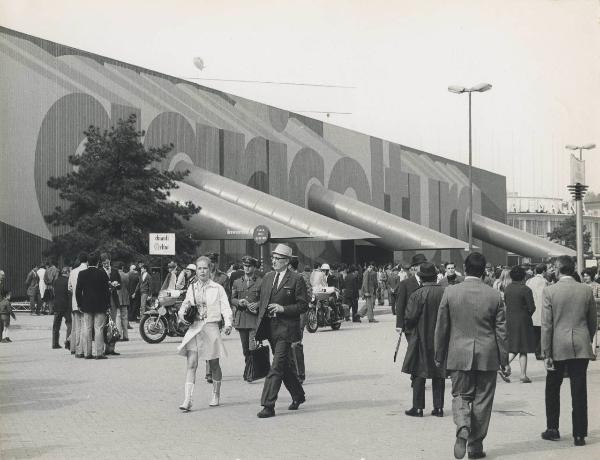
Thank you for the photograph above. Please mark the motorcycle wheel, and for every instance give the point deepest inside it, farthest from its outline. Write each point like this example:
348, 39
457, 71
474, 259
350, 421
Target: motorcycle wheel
336, 326
311, 321
153, 331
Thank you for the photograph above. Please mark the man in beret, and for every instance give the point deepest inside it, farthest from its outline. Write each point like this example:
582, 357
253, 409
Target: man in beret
244, 301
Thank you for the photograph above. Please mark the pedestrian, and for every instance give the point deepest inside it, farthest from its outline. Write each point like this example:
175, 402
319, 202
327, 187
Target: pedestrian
503, 281
369, 291
588, 280
407, 287
244, 301
351, 292
186, 277
93, 298
569, 322
50, 276
470, 336
489, 275
420, 319
203, 338
33, 290
450, 278
520, 306
124, 302
171, 279
114, 285
297, 348
2, 280
537, 285
393, 283
62, 308
382, 279
144, 288
282, 301
41, 272
134, 294
77, 321
6, 313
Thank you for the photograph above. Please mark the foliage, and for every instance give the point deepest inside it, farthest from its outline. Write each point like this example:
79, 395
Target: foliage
116, 196
566, 234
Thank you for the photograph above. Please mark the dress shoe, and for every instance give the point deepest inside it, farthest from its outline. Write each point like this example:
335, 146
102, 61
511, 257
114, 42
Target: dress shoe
437, 412
55, 346
296, 404
460, 445
525, 380
79, 355
579, 441
129, 327
67, 344
414, 412
113, 353
89, 357
101, 357
551, 435
373, 321
266, 412
480, 454
209, 379
125, 340
356, 319
7, 339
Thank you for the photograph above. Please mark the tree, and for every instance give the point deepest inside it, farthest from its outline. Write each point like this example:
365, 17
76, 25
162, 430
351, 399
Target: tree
117, 196
566, 234
591, 196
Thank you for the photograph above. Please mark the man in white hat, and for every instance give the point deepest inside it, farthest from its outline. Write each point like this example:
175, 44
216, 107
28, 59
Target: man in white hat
282, 300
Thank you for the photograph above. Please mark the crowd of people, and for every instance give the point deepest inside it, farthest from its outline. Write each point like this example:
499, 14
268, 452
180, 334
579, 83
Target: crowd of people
468, 327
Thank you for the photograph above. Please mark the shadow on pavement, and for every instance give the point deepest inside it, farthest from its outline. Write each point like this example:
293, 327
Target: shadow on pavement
539, 445
330, 378
340, 405
41, 394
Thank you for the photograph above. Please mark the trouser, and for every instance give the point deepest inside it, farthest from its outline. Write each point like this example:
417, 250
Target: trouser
537, 332
393, 301
367, 308
119, 316
418, 386
4, 325
58, 316
280, 371
35, 303
472, 400
297, 352
93, 322
76, 337
134, 308
143, 301
248, 343
577, 369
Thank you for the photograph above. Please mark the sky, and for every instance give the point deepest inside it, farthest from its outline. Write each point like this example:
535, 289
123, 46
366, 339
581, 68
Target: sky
391, 63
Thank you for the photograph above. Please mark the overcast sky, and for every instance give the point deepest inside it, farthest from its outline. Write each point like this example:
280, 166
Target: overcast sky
541, 56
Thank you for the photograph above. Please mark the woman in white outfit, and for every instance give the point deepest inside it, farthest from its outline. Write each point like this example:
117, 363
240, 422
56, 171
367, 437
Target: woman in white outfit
203, 338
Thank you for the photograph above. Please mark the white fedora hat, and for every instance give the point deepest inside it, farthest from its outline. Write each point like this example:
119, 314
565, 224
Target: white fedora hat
283, 250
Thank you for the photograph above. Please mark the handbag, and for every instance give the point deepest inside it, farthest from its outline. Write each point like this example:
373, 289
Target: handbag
259, 363
111, 332
192, 311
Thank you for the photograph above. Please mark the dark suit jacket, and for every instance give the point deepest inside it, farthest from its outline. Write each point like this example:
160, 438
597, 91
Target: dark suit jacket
369, 283
62, 299
114, 294
350, 286
291, 294
405, 289
92, 293
134, 279
471, 328
242, 317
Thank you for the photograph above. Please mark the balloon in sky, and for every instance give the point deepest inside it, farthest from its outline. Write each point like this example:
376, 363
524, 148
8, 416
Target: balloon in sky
199, 63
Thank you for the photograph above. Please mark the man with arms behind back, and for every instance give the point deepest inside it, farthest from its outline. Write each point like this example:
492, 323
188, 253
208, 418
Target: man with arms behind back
471, 333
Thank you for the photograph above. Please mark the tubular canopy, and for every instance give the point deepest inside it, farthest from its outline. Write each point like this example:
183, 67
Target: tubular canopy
221, 220
396, 233
515, 240
314, 226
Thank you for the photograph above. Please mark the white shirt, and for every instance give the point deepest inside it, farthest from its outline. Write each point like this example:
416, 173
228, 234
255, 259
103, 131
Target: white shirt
281, 275
72, 285
42, 285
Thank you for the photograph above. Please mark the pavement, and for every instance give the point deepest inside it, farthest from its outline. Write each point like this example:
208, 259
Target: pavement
53, 406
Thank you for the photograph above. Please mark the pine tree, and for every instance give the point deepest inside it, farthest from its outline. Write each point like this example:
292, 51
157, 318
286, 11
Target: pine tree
117, 196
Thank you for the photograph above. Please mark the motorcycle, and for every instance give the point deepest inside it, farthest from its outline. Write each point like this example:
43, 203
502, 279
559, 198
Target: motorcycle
324, 309
161, 319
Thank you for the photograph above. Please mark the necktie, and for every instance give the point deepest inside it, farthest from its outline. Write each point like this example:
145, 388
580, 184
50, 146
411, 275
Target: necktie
276, 283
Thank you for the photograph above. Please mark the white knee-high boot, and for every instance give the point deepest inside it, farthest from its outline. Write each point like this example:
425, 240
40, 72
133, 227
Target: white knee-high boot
216, 394
186, 405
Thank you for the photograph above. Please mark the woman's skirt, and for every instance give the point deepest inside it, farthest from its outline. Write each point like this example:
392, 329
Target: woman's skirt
206, 342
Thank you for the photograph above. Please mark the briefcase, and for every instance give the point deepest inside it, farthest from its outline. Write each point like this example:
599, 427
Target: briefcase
259, 363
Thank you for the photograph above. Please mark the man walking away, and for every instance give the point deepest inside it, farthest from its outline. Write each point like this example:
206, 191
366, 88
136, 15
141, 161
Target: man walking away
537, 285
76, 314
568, 325
471, 334
62, 308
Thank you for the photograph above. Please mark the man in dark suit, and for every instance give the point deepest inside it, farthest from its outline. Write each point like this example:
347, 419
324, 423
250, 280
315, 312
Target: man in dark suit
471, 333
114, 282
350, 292
406, 288
282, 301
369, 290
569, 323
93, 298
134, 305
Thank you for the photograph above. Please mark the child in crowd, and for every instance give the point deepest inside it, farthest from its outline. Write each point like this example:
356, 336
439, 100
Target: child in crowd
5, 314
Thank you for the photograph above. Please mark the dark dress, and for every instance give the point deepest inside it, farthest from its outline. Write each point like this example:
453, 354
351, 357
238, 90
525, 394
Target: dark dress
518, 299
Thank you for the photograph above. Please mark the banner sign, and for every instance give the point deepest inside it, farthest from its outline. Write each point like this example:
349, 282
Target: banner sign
162, 244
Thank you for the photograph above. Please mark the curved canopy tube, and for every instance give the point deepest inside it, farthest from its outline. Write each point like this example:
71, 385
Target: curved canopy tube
397, 234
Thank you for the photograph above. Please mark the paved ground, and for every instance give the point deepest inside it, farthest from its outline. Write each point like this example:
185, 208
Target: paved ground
54, 406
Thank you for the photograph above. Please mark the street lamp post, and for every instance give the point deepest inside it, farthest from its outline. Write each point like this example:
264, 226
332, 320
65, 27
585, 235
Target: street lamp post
578, 192
480, 88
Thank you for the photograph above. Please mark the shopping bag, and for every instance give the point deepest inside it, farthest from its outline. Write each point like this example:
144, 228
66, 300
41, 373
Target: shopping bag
259, 363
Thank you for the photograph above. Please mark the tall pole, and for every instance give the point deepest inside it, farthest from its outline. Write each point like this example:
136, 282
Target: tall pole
579, 239
470, 182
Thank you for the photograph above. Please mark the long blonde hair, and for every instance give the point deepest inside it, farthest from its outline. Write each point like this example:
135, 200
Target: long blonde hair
505, 279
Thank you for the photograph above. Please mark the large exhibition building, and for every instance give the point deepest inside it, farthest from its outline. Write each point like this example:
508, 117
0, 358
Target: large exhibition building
335, 194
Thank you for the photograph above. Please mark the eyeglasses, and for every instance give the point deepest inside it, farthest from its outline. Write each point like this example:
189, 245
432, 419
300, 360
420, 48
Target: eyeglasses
278, 258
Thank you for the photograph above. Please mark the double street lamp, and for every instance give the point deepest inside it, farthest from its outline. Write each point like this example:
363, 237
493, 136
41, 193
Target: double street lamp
578, 192
480, 88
